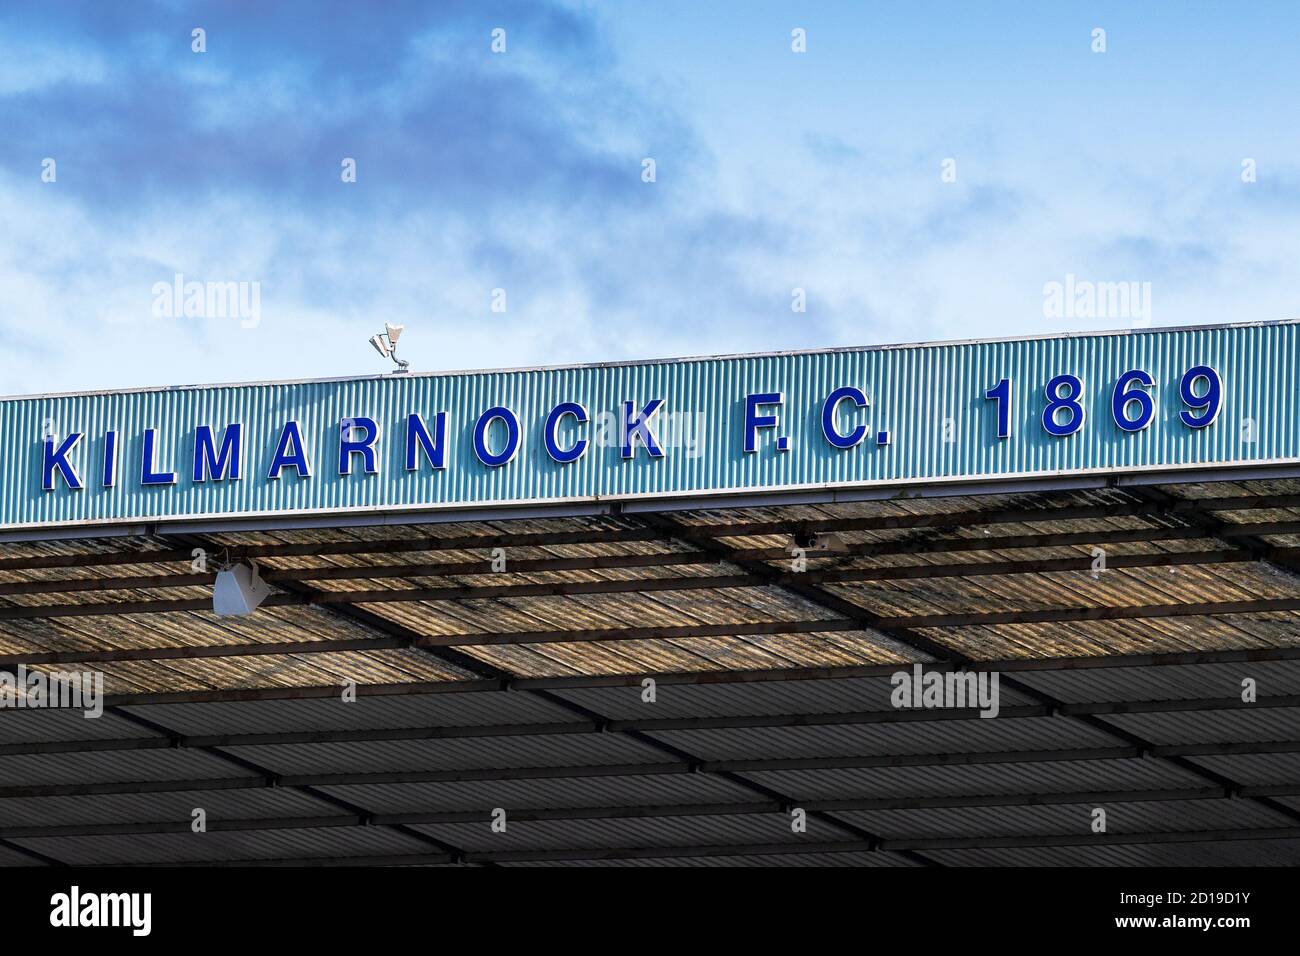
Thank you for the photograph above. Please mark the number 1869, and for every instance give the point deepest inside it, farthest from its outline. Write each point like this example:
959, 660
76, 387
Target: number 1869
1132, 404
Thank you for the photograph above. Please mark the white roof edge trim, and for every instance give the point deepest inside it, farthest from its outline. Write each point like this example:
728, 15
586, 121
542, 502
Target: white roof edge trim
632, 363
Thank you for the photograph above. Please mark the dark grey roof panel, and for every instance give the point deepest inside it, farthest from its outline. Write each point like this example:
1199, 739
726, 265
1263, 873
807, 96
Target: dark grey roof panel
1273, 678
484, 795
249, 845
18, 726
61, 768
113, 808
984, 778
430, 710
727, 860
1068, 819
785, 697
1241, 853
933, 737
643, 832
492, 752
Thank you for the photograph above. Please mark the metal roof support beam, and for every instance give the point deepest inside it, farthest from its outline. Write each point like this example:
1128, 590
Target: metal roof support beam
793, 848
1246, 536
1150, 509
473, 639
866, 549
778, 579
907, 572
644, 811
21, 850
275, 780
648, 725
473, 665
1086, 839
699, 678
905, 634
684, 765
1166, 505
200, 651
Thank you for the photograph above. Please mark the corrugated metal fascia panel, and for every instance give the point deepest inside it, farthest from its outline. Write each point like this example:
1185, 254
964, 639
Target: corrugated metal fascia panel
912, 391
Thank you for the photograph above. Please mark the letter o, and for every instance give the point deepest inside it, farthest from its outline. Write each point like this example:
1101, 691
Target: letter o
484, 423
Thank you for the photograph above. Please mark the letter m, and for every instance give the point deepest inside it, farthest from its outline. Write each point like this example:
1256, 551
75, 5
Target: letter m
217, 464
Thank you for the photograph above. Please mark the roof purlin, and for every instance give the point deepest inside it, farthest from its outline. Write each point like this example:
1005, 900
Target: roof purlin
904, 635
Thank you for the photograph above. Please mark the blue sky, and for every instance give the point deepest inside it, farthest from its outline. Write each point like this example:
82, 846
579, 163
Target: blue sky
522, 171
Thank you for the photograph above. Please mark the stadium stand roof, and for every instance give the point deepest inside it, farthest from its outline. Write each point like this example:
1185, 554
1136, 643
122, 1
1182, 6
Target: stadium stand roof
522, 689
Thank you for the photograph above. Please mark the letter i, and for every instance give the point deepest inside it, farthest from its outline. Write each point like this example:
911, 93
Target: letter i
110, 459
